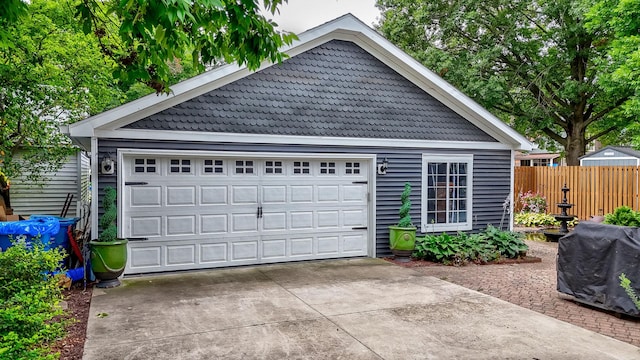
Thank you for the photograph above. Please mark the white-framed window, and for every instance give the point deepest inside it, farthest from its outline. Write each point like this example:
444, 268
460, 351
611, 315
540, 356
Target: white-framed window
446, 192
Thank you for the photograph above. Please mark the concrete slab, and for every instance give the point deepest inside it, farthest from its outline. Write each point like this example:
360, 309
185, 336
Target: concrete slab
351, 309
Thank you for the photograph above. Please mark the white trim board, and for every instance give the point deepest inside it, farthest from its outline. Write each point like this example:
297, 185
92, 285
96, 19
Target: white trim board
166, 135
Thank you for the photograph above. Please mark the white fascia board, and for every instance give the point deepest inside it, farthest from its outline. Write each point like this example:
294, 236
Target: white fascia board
199, 136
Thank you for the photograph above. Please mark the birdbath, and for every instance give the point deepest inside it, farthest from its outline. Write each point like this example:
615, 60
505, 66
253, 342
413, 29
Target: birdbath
563, 217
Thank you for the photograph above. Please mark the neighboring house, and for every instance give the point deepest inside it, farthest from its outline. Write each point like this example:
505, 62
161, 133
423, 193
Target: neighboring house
537, 158
612, 156
49, 198
287, 163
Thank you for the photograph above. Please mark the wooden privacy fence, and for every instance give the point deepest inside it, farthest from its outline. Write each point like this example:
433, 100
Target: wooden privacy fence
594, 190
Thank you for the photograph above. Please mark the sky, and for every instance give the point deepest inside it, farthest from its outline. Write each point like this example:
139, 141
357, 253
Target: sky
300, 15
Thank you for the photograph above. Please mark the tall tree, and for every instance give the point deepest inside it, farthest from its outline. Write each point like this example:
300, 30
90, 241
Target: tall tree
533, 63
50, 74
54, 69
616, 24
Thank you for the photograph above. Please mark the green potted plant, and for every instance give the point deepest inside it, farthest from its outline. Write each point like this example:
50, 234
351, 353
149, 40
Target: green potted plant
402, 237
108, 252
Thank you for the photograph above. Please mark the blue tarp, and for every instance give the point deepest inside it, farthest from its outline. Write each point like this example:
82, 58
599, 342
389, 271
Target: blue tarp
33, 227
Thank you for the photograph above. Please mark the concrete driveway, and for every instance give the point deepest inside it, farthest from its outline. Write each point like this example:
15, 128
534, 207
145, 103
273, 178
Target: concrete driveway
338, 309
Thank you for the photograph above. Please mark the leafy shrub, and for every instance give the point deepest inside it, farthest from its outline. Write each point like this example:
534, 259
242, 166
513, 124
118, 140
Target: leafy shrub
460, 248
623, 216
29, 301
535, 219
531, 202
508, 243
625, 283
440, 248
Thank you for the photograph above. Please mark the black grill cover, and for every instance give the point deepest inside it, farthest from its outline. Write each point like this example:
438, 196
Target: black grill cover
590, 261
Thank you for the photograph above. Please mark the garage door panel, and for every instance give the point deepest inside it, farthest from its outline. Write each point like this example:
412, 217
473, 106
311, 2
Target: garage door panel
328, 193
213, 253
143, 196
328, 219
356, 217
181, 195
244, 194
213, 195
228, 211
274, 248
328, 245
181, 255
145, 257
301, 219
181, 225
301, 193
244, 222
214, 224
244, 250
301, 246
145, 226
274, 194
274, 221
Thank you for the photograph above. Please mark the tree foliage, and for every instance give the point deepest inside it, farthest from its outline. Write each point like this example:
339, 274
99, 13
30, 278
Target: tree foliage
616, 24
55, 69
144, 37
533, 63
50, 74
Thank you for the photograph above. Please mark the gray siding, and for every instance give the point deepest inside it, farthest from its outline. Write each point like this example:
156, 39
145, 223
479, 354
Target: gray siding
336, 89
491, 181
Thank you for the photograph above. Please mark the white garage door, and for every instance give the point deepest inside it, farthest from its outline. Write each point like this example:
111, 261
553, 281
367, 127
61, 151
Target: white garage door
202, 211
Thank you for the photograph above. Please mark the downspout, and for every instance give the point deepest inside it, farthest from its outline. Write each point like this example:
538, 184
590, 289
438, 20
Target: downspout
511, 189
94, 187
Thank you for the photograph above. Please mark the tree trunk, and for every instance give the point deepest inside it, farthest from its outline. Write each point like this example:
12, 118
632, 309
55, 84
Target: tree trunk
576, 145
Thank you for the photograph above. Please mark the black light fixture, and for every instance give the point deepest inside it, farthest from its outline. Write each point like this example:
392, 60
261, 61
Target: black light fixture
382, 168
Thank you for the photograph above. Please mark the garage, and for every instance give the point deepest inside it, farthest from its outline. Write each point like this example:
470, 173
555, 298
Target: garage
193, 210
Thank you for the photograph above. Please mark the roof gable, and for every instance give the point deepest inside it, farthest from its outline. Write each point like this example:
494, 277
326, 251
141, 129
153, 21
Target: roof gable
346, 28
335, 89
612, 151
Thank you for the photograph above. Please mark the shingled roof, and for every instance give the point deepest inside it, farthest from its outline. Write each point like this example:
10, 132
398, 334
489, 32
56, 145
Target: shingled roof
232, 92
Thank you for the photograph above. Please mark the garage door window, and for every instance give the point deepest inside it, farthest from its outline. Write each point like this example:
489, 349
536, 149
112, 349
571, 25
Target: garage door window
446, 192
145, 166
180, 166
212, 166
352, 168
327, 168
244, 167
301, 167
273, 167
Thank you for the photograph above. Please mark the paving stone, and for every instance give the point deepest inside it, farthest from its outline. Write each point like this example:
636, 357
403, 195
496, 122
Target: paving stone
534, 286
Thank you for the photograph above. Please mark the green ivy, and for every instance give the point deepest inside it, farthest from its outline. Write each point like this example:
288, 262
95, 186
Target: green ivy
29, 301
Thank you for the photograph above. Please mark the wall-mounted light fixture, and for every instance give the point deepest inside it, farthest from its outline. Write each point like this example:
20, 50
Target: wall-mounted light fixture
382, 167
107, 166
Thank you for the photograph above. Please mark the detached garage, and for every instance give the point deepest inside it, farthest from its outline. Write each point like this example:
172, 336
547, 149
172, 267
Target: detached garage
300, 160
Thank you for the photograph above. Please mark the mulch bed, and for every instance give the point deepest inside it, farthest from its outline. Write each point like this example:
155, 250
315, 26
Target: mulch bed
77, 301
502, 261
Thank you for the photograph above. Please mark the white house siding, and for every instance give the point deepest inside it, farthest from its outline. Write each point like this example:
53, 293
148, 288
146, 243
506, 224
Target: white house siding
48, 199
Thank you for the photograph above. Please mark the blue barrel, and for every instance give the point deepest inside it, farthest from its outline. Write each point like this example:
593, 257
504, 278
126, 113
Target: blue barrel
61, 239
26, 230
